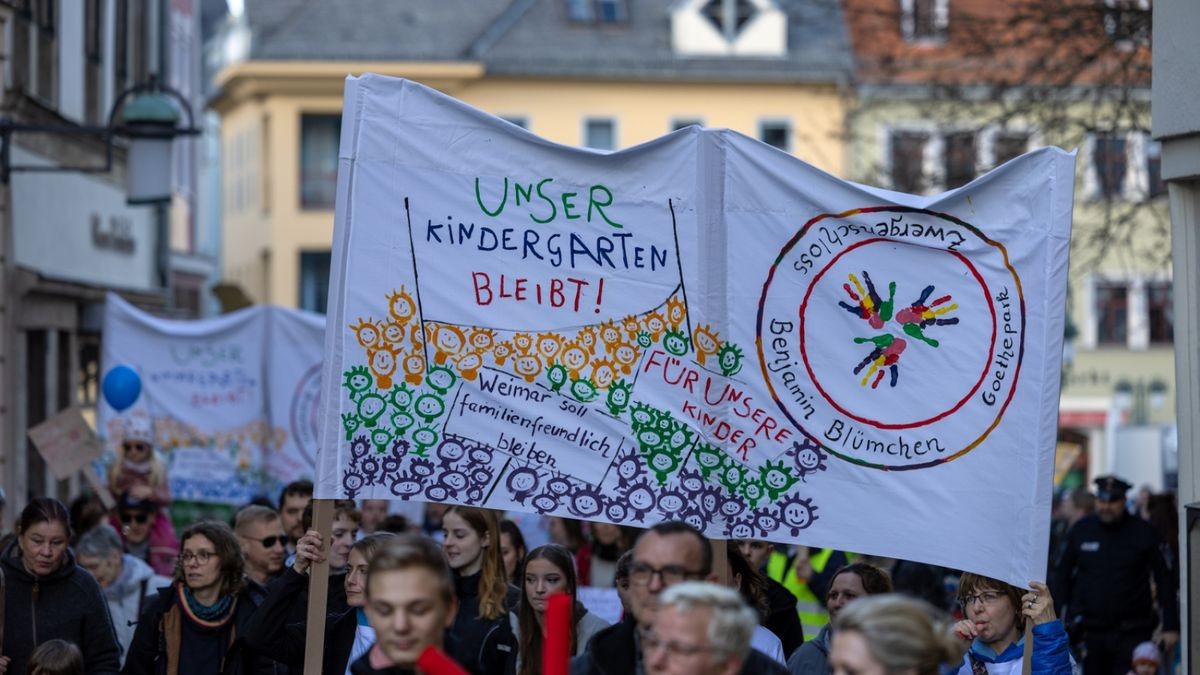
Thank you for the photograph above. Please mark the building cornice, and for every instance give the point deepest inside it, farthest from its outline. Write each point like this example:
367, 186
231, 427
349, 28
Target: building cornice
255, 79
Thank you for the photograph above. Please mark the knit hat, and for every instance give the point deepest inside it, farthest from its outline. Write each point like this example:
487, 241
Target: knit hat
139, 427
1147, 652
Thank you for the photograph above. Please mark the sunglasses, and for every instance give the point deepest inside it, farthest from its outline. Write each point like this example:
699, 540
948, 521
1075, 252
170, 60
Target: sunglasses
139, 518
269, 542
130, 446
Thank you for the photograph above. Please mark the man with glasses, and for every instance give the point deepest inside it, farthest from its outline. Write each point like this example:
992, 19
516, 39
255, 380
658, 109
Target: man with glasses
667, 554
699, 629
264, 546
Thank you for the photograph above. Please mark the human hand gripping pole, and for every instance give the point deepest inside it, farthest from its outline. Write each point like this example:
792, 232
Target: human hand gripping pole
318, 586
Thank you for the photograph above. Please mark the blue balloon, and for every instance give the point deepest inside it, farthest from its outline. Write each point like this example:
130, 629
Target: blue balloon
121, 387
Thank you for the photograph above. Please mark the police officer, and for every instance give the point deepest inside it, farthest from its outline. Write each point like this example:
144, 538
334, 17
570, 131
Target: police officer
1103, 580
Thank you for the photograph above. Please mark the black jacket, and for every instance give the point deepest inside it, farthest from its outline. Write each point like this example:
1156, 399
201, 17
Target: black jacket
271, 633
782, 619
614, 651
482, 646
148, 651
1104, 575
66, 604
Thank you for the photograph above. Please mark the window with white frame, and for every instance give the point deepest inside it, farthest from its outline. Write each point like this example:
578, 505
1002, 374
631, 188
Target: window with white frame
1134, 312
776, 133
1122, 165
93, 63
314, 280
1127, 22
921, 157
1007, 145
1160, 313
958, 158
1111, 311
924, 20
906, 153
319, 137
597, 11
1154, 180
600, 133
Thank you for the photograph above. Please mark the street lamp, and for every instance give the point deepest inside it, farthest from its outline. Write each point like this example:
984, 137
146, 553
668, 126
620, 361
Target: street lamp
149, 121
1140, 398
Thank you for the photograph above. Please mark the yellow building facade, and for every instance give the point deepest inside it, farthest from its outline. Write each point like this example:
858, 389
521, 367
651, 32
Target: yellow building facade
278, 114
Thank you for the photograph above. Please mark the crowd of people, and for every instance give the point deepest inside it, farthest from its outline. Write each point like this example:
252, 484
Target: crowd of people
91, 591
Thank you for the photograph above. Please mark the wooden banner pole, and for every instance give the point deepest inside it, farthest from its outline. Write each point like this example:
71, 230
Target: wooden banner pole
1027, 658
318, 591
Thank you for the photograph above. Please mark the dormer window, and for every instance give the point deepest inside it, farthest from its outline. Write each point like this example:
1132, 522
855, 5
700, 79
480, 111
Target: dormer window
924, 20
751, 28
729, 16
597, 11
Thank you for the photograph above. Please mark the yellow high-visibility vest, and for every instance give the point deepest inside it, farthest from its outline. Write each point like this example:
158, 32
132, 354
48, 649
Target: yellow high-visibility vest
811, 609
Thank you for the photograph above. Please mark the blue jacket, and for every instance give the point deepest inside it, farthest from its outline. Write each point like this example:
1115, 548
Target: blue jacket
1051, 654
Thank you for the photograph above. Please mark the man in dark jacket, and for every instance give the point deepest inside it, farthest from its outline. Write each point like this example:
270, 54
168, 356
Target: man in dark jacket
1103, 580
667, 554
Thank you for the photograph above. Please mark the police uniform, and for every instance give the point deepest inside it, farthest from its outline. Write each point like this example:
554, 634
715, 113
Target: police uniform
1103, 579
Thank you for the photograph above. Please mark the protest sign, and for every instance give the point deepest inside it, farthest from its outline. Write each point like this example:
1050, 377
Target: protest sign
699, 328
232, 399
67, 443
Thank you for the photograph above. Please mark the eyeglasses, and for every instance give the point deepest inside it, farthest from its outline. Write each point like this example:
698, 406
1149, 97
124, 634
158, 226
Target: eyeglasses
641, 574
139, 518
651, 642
986, 597
135, 446
200, 557
269, 542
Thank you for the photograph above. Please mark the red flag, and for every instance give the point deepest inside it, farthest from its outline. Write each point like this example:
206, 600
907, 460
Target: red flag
556, 650
435, 662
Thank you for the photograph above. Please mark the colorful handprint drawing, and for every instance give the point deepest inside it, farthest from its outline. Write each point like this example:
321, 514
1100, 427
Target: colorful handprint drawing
887, 347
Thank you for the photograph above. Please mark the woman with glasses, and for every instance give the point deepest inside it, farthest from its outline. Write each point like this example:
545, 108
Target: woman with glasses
483, 636
548, 570
47, 596
196, 625
849, 583
273, 632
996, 614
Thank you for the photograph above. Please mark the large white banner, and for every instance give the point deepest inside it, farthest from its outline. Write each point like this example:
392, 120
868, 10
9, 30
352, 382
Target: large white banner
232, 399
702, 328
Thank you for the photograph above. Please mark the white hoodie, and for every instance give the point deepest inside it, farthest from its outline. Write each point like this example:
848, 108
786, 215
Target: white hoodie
130, 594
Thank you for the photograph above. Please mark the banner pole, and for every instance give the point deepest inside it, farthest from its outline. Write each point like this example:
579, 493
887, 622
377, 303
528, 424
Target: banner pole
318, 590
1027, 658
